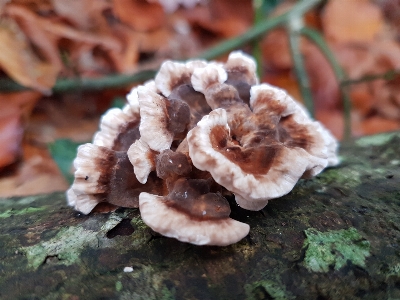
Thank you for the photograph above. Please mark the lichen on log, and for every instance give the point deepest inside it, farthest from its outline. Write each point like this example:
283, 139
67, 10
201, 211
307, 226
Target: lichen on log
336, 236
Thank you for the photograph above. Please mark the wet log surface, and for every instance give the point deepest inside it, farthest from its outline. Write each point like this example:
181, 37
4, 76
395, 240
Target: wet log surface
336, 236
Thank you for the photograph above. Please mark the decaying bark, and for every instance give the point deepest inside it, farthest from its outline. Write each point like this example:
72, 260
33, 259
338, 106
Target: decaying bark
336, 236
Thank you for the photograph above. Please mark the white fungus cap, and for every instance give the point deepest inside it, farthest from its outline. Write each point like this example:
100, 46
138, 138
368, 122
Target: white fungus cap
132, 98
176, 224
287, 167
142, 159
241, 62
204, 78
263, 94
153, 124
81, 194
81, 202
112, 124
265, 98
172, 74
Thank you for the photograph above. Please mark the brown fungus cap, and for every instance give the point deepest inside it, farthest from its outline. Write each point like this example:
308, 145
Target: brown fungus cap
170, 164
196, 101
104, 175
190, 213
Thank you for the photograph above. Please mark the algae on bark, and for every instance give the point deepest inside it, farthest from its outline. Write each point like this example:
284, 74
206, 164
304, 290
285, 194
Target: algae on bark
49, 251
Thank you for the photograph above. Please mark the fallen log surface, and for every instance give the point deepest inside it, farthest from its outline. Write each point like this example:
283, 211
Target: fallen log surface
336, 236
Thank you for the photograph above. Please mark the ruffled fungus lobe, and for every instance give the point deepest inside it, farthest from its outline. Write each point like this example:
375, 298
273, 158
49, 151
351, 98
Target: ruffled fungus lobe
257, 152
190, 213
195, 134
104, 175
142, 160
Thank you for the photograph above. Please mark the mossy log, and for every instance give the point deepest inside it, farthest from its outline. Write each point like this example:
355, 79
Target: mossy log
336, 236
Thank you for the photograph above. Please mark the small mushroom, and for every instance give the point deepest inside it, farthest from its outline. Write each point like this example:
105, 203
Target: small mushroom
190, 213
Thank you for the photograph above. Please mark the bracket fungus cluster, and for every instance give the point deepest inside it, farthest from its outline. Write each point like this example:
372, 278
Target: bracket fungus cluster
198, 133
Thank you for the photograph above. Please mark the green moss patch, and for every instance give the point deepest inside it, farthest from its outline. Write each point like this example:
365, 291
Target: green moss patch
334, 248
24, 211
267, 289
375, 140
65, 246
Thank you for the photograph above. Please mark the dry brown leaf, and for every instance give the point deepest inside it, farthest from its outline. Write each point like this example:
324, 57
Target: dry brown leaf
10, 138
324, 86
83, 14
172, 5
19, 61
61, 30
46, 43
346, 21
227, 27
51, 31
87, 62
386, 103
361, 98
392, 12
225, 18
139, 14
285, 81
15, 108
241, 10
387, 55
153, 41
275, 49
37, 175
333, 120
378, 124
